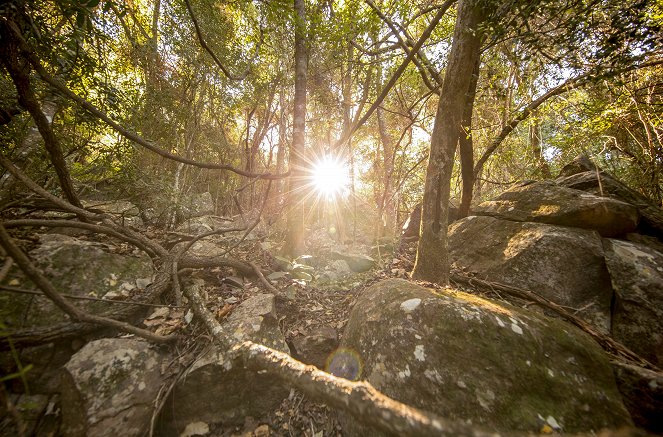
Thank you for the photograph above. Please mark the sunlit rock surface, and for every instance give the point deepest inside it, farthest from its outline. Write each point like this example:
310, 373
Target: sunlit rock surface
636, 271
478, 361
565, 265
547, 202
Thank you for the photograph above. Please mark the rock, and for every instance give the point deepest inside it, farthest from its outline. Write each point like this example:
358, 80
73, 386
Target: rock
30, 408
651, 216
546, 202
315, 347
213, 390
76, 267
410, 230
565, 265
636, 272
208, 247
642, 391
201, 224
358, 263
198, 205
337, 270
467, 358
109, 388
124, 212
412, 224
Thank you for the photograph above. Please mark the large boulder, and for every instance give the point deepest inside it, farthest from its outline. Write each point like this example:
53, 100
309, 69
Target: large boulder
636, 271
602, 184
76, 267
109, 387
546, 202
479, 361
565, 265
214, 390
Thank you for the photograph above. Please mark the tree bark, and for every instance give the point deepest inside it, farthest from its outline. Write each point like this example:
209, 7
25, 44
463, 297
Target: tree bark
296, 184
432, 263
466, 147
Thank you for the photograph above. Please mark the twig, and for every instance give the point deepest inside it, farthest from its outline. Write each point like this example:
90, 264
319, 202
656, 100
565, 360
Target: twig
96, 299
5, 268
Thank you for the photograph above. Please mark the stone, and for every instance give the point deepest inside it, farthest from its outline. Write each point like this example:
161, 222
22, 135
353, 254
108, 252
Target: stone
602, 184
636, 272
124, 212
357, 262
642, 391
109, 387
565, 265
316, 346
30, 408
470, 359
77, 267
546, 202
198, 205
214, 390
202, 224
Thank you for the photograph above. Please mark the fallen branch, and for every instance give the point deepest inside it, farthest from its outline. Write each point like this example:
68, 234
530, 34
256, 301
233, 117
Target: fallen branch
359, 399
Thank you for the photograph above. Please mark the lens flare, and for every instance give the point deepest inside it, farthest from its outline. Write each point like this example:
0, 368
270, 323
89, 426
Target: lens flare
345, 363
330, 177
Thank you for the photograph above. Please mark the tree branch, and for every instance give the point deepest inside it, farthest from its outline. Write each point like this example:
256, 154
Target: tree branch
568, 85
397, 74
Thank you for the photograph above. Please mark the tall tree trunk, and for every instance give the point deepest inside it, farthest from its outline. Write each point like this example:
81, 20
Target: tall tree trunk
432, 262
295, 237
466, 147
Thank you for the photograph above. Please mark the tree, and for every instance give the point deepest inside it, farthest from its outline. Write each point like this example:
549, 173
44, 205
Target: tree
432, 263
296, 183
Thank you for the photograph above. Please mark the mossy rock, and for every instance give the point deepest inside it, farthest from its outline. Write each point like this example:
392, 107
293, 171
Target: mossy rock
478, 361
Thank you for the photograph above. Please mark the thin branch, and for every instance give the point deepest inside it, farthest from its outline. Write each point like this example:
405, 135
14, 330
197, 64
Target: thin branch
209, 50
75, 313
420, 60
568, 85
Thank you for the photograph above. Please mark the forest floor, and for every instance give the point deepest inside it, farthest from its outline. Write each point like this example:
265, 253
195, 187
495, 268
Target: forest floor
304, 308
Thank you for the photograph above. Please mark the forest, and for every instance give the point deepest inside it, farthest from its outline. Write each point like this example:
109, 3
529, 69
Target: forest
307, 150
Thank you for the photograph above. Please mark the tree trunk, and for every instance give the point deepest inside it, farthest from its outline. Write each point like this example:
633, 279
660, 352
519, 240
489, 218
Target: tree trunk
295, 238
432, 262
466, 147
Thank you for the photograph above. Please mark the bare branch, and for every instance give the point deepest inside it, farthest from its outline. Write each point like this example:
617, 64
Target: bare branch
209, 50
